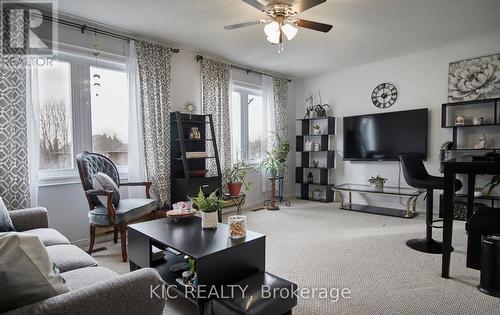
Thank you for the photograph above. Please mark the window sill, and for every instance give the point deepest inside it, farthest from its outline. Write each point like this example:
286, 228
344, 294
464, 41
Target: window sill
47, 181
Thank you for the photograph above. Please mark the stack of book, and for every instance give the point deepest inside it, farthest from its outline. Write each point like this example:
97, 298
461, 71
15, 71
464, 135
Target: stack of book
194, 155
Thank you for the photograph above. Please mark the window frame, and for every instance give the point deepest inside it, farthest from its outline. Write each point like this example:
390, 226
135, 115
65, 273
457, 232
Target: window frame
81, 110
245, 89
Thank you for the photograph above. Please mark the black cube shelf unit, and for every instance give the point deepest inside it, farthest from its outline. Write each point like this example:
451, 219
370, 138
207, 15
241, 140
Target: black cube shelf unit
328, 128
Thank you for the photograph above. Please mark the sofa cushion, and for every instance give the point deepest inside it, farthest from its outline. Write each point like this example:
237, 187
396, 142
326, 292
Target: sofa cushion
48, 237
27, 274
5, 221
84, 277
70, 257
104, 182
127, 210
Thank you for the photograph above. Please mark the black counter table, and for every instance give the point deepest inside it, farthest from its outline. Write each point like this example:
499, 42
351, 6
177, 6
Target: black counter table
464, 165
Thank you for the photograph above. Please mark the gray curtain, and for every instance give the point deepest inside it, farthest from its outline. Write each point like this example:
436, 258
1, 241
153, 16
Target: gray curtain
215, 80
153, 62
280, 90
14, 174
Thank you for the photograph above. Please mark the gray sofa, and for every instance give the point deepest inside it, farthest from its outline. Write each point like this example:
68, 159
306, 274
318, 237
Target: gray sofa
94, 290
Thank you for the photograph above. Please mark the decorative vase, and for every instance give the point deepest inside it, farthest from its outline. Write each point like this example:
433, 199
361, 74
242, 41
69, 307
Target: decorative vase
234, 188
209, 220
195, 134
477, 121
460, 120
237, 226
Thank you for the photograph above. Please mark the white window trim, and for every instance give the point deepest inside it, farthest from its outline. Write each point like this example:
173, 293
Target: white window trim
244, 89
81, 114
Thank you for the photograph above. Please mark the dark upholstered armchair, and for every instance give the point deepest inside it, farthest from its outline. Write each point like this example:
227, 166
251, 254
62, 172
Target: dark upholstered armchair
127, 210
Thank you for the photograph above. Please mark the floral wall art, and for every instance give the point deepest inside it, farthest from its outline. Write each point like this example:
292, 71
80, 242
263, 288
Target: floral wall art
474, 79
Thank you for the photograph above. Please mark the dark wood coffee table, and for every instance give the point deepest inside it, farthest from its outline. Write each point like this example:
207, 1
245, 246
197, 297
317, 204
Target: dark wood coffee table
219, 260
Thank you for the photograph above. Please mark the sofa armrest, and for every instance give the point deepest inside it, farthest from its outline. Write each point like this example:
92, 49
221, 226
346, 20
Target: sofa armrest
28, 219
128, 294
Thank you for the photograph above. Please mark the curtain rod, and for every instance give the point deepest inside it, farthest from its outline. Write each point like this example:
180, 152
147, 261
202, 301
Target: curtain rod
242, 68
84, 27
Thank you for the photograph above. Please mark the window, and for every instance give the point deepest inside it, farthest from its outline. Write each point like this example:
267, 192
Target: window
76, 116
109, 99
246, 123
56, 137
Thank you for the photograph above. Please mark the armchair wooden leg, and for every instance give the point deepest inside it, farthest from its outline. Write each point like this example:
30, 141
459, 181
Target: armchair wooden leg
123, 238
115, 234
92, 239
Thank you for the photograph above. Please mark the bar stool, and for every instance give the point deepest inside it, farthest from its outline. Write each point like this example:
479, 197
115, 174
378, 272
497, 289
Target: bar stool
416, 176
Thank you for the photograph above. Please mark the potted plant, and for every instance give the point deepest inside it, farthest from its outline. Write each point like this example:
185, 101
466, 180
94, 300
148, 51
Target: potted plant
316, 111
494, 182
316, 130
271, 165
208, 207
236, 178
377, 182
281, 146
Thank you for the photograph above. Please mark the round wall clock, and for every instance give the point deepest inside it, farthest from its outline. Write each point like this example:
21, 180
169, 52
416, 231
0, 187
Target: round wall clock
384, 95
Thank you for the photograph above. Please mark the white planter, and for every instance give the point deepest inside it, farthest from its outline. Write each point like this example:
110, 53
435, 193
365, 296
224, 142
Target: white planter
316, 131
377, 186
209, 220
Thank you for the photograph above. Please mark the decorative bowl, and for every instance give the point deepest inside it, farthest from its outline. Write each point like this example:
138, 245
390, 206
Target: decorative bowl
198, 173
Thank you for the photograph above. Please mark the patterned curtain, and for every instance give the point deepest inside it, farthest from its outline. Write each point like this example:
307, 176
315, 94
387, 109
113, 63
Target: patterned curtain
14, 174
216, 78
153, 63
280, 89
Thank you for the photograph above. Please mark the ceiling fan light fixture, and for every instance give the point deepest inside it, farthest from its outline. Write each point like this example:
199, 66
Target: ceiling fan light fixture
273, 32
289, 30
271, 29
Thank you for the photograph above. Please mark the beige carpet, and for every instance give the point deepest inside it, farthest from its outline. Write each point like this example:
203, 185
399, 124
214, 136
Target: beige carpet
317, 245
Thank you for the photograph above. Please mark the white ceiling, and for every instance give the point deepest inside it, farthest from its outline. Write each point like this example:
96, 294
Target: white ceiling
364, 30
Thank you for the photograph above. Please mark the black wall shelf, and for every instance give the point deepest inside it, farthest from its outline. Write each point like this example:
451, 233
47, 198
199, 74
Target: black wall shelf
489, 109
182, 184
322, 172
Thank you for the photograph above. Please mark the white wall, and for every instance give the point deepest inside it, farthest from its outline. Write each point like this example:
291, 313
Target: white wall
421, 80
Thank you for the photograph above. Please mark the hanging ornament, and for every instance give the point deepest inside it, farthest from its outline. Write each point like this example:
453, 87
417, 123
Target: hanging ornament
96, 78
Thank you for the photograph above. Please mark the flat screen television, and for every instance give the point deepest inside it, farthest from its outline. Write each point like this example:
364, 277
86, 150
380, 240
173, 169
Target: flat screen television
383, 137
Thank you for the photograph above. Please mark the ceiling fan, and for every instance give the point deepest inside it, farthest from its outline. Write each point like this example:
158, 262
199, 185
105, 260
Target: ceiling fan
282, 18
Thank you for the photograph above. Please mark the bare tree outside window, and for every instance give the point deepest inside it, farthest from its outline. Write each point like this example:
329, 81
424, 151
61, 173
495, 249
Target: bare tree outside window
56, 135
55, 146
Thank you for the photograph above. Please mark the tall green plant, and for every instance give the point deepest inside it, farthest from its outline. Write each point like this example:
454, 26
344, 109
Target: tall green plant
208, 204
280, 145
271, 165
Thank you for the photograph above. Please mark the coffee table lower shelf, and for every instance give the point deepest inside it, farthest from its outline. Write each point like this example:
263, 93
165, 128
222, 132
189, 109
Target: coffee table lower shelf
163, 268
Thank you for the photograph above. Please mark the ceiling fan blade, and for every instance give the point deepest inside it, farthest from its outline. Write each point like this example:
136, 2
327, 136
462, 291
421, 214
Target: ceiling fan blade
239, 25
256, 4
313, 25
306, 5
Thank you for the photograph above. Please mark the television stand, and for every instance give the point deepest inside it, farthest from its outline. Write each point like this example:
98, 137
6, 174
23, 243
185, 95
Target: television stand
409, 194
